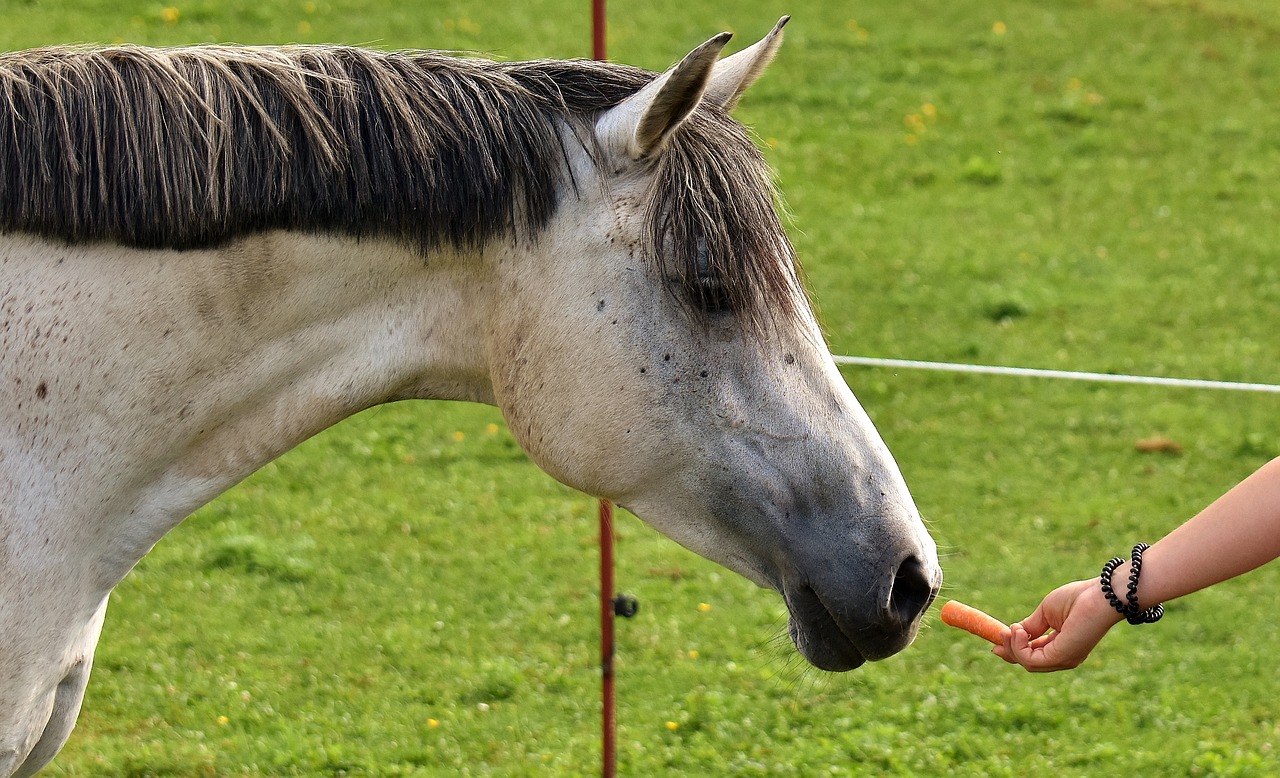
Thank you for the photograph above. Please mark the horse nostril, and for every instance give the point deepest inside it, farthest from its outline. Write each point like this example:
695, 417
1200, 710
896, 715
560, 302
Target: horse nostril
913, 591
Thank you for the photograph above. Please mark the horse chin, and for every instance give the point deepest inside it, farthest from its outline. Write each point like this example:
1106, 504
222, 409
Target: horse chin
832, 652
832, 646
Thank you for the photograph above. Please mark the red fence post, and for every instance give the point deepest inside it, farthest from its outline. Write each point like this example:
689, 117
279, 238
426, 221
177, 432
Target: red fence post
609, 722
609, 730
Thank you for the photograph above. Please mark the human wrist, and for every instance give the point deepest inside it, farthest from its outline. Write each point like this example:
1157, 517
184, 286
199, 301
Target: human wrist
1100, 608
1124, 597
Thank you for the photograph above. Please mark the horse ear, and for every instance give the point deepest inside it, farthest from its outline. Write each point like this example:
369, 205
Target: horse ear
735, 73
641, 124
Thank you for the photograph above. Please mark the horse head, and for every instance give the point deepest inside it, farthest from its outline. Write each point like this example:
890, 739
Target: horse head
659, 350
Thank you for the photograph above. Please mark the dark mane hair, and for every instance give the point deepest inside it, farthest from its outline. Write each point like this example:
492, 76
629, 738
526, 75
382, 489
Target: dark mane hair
190, 147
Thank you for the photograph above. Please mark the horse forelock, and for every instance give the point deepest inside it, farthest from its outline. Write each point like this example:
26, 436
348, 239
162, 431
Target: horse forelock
193, 146
716, 223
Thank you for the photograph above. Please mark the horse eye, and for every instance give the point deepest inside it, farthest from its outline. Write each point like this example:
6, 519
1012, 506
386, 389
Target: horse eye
711, 295
709, 289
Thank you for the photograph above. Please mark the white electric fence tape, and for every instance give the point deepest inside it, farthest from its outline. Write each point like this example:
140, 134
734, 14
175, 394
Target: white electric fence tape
1070, 375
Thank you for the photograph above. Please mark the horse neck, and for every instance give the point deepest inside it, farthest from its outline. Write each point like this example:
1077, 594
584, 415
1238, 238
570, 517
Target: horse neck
155, 380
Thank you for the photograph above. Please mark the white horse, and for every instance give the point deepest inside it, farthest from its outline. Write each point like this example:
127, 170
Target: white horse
209, 254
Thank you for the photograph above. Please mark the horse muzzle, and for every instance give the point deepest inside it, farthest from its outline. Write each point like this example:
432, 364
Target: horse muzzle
837, 630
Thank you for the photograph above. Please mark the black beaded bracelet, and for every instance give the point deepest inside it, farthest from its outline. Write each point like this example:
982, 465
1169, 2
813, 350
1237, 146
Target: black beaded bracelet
1130, 609
1105, 579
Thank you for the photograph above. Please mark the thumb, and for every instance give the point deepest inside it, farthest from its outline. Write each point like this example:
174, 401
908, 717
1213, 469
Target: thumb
1008, 649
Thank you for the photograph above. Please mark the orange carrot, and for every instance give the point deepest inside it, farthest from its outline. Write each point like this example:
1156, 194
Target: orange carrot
972, 620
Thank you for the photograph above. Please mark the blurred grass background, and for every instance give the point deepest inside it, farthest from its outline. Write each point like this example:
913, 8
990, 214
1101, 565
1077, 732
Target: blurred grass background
1079, 185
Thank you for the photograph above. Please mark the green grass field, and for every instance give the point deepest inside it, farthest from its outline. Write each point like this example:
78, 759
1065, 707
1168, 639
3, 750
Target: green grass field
1079, 185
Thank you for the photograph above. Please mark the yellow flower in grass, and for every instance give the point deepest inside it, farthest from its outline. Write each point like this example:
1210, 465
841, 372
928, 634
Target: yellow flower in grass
459, 436
223, 721
673, 726
999, 28
464, 25
170, 15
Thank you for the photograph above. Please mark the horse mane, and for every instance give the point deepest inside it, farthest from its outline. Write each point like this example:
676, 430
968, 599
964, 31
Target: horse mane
191, 147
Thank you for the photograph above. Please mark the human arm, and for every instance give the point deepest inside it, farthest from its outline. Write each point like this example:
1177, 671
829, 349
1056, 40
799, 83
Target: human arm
1238, 532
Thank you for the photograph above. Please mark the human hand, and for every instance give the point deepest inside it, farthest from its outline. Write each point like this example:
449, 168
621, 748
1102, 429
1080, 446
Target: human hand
1062, 631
